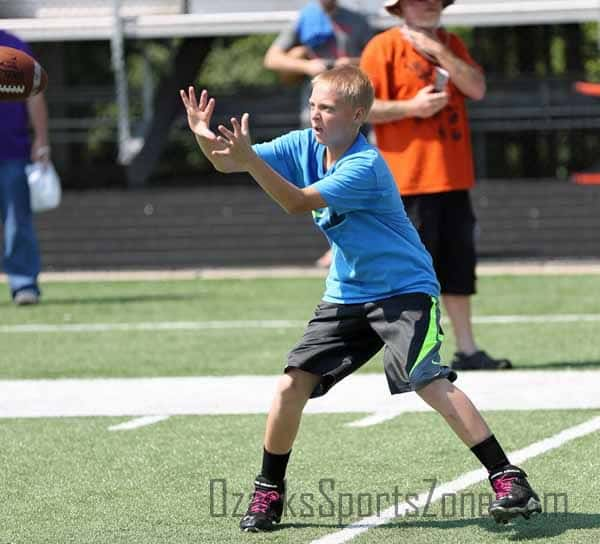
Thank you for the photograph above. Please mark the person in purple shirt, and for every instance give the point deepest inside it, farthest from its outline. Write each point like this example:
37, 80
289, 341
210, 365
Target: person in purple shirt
21, 260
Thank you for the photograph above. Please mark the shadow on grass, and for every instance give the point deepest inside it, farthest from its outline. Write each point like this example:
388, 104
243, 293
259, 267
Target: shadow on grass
123, 299
539, 527
546, 526
309, 525
560, 365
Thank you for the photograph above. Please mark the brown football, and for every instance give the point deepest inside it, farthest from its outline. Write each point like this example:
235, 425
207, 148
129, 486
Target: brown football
20, 75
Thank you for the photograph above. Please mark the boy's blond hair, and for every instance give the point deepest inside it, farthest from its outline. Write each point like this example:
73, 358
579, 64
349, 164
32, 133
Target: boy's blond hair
351, 83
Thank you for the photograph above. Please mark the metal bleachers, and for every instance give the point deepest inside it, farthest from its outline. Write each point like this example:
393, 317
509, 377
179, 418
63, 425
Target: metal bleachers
208, 226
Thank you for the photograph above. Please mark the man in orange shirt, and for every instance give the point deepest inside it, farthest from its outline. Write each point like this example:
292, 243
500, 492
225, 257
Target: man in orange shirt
423, 134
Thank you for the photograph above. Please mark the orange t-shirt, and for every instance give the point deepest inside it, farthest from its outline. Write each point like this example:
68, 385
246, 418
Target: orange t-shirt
425, 155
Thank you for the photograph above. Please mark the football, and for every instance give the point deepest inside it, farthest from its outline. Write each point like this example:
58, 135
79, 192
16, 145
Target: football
20, 75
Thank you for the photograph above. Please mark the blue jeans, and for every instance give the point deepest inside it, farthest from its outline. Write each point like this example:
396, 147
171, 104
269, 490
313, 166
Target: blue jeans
21, 253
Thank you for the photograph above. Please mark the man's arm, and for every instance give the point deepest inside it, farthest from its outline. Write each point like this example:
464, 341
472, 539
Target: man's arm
469, 79
279, 60
343, 61
424, 104
38, 117
237, 148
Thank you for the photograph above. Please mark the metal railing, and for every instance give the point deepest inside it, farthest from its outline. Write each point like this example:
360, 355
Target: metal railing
62, 20
118, 20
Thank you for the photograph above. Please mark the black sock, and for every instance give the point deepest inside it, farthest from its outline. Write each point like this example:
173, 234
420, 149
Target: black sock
274, 466
491, 454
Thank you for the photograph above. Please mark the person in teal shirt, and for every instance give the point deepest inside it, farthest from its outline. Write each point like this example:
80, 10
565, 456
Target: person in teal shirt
381, 289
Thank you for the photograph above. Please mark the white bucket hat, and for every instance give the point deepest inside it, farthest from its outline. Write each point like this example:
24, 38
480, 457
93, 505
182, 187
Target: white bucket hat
389, 4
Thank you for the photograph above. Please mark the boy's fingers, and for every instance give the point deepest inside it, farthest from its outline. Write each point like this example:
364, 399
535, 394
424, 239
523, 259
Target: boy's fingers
192, 97
245, 123
226, 132
184, 98
223, 141
210, 107
202, 101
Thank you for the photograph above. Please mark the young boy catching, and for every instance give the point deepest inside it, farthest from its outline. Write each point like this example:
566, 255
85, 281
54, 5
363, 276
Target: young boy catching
381, 289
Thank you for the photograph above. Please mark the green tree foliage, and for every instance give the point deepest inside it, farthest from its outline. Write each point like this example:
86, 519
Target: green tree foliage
236, 63
232, 64
591, 46
144, 58
510, 56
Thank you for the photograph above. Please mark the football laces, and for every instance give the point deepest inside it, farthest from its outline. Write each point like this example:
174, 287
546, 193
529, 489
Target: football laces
12, 89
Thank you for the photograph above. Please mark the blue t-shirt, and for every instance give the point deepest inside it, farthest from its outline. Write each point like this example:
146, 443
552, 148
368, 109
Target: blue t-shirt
14, 122
377, 253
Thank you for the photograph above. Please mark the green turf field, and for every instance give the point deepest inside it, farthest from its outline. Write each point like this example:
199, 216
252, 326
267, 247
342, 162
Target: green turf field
73, 480
255, 350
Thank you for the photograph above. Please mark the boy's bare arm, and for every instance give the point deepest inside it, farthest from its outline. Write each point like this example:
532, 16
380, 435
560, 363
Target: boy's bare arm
237, 148
291, 198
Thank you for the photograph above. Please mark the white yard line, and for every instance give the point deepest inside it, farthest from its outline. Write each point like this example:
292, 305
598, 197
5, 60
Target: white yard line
484, 268
466, 480
137, 423
375, 419
153, 326
263, 324
552, 318
359, 394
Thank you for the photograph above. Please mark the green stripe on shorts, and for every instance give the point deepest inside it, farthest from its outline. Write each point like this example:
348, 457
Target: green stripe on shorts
433, 336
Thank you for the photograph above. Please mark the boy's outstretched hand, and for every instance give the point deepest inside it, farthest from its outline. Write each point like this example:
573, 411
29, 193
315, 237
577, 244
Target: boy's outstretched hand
199, 113
236, 142
229, 152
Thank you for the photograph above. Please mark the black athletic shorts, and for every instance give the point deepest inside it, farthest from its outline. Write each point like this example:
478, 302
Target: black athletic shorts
446, 225
340, 338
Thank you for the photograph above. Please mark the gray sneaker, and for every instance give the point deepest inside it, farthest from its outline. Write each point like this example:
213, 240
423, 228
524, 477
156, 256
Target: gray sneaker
26, 297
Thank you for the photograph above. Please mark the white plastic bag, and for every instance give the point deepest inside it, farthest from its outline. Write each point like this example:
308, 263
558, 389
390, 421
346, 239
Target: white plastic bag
44, 186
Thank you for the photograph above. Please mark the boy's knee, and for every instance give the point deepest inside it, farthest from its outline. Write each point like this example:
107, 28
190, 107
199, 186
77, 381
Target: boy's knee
296, 385
437, 393
435, 389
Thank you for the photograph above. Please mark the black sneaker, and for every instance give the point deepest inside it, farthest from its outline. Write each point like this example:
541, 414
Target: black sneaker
479, 360
266, 506
514, 495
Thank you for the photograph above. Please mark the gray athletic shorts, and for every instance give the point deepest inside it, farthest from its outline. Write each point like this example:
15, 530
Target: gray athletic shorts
340, 338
